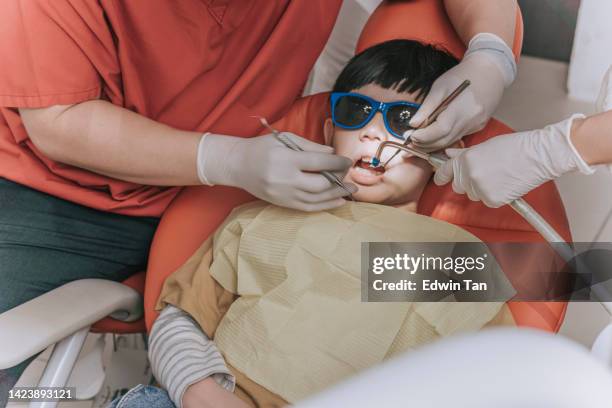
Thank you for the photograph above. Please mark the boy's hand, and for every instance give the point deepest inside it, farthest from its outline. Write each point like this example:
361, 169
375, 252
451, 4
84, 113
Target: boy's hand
207, 393
272, 172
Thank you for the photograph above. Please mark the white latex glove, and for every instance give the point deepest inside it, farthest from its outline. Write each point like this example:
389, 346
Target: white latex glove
507, 167
272, 172
490, 67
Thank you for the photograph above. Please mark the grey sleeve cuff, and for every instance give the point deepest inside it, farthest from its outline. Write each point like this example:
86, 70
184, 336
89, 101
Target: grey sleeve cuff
181, 355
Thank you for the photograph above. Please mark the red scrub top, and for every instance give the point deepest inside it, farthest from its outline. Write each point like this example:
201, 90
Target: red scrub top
203, 65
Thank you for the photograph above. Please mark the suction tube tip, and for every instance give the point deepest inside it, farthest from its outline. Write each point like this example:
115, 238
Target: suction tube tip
375, 162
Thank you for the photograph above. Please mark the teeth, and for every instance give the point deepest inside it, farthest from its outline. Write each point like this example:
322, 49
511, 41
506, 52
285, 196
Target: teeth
365, 166
362, 170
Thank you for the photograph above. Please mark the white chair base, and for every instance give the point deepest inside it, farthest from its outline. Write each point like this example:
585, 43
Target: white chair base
60, 364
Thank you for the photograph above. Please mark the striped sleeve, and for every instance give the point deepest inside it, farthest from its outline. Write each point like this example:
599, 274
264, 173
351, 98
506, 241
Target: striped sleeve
181, 354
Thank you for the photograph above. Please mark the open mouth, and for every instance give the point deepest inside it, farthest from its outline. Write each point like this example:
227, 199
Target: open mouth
365, 164
364, 174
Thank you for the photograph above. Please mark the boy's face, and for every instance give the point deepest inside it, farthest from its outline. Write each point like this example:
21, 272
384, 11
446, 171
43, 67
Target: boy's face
402, 181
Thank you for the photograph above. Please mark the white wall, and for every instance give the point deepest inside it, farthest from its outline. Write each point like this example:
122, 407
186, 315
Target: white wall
592, 52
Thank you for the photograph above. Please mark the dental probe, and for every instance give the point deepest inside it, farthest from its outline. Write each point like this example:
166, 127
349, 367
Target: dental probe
331, 177
529, 214
432, 118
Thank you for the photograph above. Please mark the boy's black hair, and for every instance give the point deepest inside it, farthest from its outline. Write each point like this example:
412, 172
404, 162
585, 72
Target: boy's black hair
405, 65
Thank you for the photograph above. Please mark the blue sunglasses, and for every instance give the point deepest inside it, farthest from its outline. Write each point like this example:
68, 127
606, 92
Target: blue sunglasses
352, 110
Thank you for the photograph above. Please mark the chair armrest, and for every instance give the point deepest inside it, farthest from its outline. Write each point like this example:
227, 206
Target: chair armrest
33, 326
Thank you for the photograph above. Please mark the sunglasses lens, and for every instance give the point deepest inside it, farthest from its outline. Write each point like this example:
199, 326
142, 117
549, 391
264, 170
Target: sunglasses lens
399, 116
352, 111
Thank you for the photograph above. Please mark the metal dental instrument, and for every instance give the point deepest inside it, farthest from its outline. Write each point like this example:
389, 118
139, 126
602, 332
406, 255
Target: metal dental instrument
519, 205
432, 118
529, 214
331, 177
438, 159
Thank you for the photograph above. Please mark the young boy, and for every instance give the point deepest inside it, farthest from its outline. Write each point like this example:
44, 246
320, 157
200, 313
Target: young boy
373, 100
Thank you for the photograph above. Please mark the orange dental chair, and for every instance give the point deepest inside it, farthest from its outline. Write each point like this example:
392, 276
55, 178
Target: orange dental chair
65, 316
185, 225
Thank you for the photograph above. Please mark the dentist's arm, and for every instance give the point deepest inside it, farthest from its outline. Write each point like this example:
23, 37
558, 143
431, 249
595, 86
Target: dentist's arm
471, 17
507, 167
110, 140
487, 27
107, 139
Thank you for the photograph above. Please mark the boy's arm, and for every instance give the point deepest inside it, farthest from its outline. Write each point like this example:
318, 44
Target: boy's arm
182, 355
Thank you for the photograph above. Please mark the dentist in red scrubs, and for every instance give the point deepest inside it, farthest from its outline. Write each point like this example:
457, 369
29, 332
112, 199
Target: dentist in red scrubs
108, 107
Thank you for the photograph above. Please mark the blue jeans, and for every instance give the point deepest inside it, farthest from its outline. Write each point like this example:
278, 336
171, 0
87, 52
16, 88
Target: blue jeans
46, 242
143, 396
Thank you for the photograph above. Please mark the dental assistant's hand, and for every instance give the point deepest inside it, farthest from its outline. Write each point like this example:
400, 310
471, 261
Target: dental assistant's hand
489, 66
507, 167
272, 172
